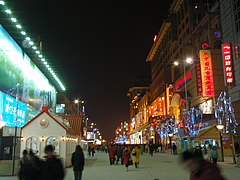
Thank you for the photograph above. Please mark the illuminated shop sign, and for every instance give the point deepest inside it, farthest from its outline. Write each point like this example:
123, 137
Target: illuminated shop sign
8, 113
227, 61
206, 73
181, 82
206, 107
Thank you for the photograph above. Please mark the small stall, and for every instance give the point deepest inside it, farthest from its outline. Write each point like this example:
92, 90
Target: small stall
47, 128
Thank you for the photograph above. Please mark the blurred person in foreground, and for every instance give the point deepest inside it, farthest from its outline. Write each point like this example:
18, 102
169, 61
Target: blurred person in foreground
52, 167
78, 162
199, 168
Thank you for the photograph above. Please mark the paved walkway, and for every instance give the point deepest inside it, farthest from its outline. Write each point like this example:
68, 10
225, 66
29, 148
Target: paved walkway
161, 166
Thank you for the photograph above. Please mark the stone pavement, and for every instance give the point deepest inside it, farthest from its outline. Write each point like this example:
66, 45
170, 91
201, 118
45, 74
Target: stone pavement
162, 166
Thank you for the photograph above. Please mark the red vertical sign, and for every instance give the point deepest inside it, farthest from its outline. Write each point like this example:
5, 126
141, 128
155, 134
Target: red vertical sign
206, 73
198, 78
227, 61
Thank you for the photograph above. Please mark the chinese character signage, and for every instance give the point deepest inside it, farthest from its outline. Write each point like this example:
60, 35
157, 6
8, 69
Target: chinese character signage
206, 73
227, 61
198, 78
8, 113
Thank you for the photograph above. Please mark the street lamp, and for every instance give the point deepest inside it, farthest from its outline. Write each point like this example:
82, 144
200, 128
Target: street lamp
188, 61
220, 128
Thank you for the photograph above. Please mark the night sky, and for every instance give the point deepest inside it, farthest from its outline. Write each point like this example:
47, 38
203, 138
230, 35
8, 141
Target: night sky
96, 48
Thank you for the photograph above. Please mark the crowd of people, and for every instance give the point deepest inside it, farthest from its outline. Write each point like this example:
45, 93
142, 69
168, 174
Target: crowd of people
50, 167
125, 154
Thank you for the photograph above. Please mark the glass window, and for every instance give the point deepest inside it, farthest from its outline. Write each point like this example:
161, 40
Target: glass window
52, 140
32, 143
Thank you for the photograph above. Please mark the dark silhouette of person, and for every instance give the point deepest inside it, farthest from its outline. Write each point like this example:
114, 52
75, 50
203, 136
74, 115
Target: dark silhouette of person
199, 168
52, 167
78, 162
23, 165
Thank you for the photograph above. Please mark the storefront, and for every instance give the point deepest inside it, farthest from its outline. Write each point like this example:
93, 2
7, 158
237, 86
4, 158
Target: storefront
47, 128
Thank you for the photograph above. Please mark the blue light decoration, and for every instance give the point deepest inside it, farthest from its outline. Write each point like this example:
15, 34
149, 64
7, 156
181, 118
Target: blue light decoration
225, 111
193, 122
8, 106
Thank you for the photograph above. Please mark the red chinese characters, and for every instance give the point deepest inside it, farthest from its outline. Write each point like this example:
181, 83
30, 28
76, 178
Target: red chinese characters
227, 61
206, 73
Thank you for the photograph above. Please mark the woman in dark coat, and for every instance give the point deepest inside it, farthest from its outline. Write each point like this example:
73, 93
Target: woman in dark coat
126, 157
78, 162
52, 168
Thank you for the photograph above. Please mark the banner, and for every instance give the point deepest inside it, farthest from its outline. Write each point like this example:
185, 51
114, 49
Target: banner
206, 73
227, 61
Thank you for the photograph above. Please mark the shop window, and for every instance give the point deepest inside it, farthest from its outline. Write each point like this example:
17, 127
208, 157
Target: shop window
52, 140
32, 143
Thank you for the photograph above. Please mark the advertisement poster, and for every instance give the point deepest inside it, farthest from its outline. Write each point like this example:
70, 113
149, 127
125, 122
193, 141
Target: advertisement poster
17, 68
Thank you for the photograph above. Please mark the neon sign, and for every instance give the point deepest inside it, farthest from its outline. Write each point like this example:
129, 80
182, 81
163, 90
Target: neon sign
206, 73
227, 61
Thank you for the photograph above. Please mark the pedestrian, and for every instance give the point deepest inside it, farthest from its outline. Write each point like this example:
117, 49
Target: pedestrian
119, 154
199, 168
24, 166
136, 156
151, 149
174, 148
214, 155
126, 157
111, 152
78, 162
93, 150
35, 165
89, 151
52, 168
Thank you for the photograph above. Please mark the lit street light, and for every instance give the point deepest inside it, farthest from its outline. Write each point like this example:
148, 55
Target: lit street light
188, 61
220, 128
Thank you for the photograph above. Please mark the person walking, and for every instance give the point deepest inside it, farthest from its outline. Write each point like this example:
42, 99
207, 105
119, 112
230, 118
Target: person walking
78, 162
199, 168
111, 152
174, 148
119, 154
151, 149
136, 155
126, 157
52, 168
214, 155
24, 166
89, 151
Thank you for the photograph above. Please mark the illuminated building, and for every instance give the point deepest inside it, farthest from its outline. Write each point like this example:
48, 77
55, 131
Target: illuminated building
230, 20
188, 41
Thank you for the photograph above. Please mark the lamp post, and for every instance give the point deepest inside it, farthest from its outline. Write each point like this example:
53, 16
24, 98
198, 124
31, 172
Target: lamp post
188, 61
220, 128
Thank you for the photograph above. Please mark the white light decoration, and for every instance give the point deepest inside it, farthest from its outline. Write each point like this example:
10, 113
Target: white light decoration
8, 11
23, 33
18, 26
224, 112
13, 19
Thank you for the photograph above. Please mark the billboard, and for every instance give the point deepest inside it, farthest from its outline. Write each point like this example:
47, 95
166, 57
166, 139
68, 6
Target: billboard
228, 63
206, 73
17, 68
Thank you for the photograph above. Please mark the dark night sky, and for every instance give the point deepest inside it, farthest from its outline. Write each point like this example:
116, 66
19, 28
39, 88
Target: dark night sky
96, 48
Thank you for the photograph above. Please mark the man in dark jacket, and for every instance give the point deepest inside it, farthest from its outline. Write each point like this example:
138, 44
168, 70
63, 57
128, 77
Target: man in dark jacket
199, 168
78, 162
52, 168
119, 154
